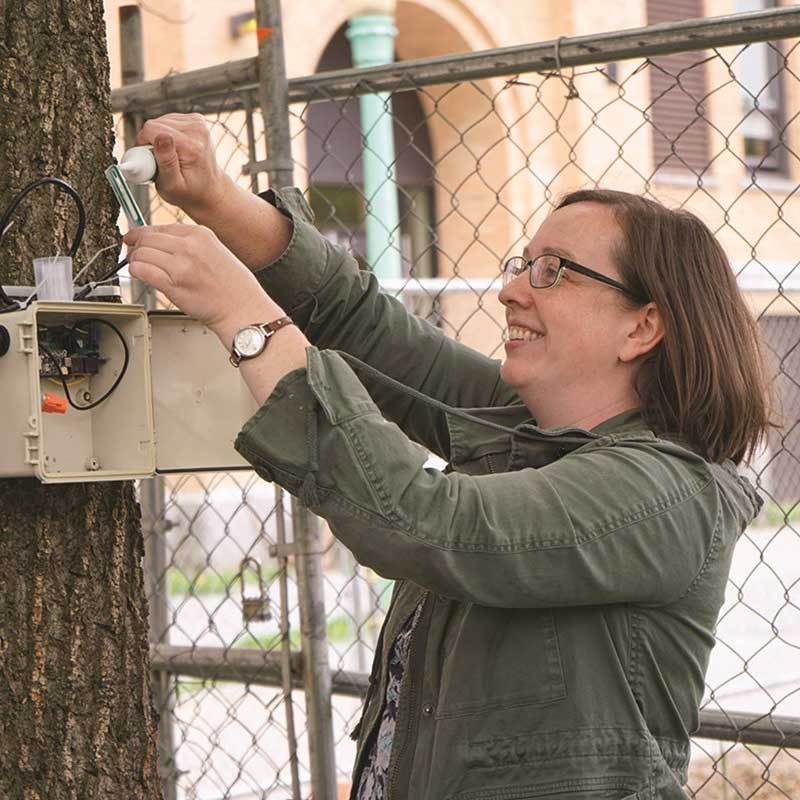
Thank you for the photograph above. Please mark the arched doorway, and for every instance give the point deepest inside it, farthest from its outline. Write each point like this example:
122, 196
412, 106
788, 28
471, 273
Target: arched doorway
333, 157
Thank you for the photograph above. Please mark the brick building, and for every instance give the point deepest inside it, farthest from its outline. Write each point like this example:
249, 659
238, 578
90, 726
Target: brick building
478, 163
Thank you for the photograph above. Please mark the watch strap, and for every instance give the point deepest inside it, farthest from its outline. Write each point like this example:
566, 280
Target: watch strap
269, 329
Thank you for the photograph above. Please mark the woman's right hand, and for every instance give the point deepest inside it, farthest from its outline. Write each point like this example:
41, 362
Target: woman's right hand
188, 174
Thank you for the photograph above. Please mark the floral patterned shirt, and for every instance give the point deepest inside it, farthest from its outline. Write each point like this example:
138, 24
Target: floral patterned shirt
375, 774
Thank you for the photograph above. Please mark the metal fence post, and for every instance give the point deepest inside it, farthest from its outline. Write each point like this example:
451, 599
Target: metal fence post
151, 494
132, 62
281, 554
273, 95
316, 671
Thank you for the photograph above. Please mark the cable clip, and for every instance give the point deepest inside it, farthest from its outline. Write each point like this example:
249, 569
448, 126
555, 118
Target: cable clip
572, 91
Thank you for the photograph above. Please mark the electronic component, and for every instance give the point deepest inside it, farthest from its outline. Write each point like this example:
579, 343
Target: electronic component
54, 404
74, 349
123, 394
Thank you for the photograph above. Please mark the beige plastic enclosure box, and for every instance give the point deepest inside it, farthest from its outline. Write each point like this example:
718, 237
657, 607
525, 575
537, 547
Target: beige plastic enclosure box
178, 407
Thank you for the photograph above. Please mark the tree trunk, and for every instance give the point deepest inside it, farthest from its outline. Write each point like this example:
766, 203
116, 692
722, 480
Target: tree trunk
76, 719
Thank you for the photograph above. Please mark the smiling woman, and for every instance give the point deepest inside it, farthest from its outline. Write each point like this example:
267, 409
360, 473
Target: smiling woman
706, 381
557, 587
581, 370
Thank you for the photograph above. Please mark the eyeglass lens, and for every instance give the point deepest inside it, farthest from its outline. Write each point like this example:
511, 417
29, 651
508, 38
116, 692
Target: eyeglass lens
544, 270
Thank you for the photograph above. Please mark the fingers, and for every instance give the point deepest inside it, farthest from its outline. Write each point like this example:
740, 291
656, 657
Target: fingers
180, 120
166, 242
180, 124
156, 258
168, 139
173, 248
143, 233
167, 157
188, 175
155, 127
166, 154
152, 275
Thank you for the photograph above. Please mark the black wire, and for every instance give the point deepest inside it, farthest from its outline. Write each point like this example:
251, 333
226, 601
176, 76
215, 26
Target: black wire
86, 290
111, 273
15, 203
62, 186
113, 386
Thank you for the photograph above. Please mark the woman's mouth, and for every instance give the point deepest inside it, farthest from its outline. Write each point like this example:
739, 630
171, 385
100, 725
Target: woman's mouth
516, 333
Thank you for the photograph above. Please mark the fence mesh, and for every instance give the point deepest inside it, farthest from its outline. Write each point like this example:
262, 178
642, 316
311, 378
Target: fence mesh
477, 165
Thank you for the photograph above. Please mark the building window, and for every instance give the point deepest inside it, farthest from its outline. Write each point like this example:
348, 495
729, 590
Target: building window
678, 87
758, 71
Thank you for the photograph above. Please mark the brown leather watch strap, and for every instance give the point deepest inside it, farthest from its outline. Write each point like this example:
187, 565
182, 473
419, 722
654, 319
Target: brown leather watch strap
275, 325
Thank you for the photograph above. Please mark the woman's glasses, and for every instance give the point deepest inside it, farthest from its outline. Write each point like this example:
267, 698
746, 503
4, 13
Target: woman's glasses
546, 270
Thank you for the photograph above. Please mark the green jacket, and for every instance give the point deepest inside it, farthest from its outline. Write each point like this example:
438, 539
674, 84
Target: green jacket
571, 579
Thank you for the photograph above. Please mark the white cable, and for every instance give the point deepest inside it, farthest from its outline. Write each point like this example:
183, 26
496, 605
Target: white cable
78, 276
28, 299
91, 286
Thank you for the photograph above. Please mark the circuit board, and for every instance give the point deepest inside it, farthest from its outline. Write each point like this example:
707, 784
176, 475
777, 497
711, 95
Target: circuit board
75, 349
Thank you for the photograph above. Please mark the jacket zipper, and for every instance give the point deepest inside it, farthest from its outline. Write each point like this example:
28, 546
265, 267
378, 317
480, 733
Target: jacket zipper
397, 785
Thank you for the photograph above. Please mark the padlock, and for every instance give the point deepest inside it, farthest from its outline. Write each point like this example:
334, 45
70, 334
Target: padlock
254, 609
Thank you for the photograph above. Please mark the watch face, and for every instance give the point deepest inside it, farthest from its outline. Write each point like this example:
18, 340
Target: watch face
249, 341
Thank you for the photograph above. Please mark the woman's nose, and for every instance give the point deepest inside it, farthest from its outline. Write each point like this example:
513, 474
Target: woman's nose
517, 291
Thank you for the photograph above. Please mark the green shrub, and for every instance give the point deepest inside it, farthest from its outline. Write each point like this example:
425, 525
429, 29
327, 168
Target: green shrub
339, 629
211, 581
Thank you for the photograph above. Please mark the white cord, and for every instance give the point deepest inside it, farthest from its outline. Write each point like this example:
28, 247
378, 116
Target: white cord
81, 291
28, 299
78, 276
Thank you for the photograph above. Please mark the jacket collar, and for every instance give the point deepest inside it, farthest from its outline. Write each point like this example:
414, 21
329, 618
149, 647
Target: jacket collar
630, 420
524, 444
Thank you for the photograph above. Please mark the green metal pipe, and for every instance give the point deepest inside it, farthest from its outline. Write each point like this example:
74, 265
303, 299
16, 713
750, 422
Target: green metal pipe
372, 43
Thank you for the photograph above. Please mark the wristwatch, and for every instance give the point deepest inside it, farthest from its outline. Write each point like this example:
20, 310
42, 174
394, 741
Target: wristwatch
251, 341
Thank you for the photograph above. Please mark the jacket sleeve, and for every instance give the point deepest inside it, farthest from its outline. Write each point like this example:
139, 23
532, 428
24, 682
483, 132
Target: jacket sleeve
608, 524
339, 306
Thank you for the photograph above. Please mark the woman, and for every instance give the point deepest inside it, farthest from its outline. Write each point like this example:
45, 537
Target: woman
558, 586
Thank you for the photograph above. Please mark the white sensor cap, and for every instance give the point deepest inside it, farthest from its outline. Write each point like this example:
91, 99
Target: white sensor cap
138, 164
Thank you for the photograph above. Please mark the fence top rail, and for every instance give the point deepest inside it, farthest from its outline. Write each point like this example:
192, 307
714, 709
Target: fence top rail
173, 91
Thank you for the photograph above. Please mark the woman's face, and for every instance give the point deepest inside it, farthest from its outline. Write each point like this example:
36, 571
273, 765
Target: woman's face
564, 343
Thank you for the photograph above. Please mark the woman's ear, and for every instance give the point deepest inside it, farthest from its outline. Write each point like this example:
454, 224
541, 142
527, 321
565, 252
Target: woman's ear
646, 331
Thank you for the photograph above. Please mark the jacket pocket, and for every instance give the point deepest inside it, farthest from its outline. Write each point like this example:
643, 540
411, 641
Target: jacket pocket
566, 790
501, 659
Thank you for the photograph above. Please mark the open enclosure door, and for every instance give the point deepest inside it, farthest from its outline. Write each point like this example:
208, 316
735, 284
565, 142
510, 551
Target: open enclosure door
200, 401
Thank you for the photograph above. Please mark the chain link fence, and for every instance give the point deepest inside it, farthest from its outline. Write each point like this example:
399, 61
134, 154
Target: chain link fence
243, 585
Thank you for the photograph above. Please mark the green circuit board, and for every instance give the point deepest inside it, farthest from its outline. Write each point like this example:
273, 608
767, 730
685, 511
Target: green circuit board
76, 349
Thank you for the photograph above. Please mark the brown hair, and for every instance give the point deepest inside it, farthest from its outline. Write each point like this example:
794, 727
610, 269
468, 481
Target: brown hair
705, 381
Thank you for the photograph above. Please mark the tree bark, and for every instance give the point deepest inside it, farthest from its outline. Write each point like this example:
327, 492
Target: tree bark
76, 718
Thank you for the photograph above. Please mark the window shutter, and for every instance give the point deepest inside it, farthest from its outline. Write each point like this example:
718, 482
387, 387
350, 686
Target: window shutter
677, 87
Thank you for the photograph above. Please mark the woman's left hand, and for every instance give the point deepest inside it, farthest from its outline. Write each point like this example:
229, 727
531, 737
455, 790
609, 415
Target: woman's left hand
196, 272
